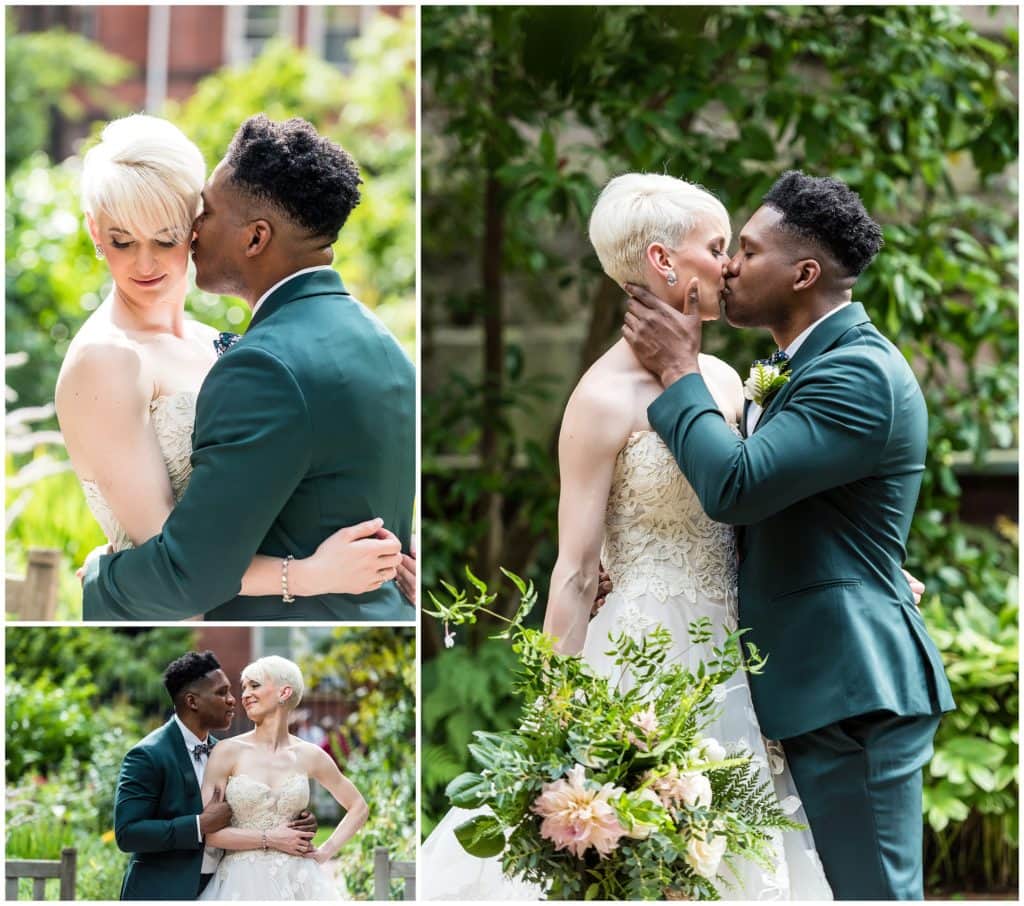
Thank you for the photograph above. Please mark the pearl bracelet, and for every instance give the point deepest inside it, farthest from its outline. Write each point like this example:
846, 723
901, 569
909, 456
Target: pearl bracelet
287, 598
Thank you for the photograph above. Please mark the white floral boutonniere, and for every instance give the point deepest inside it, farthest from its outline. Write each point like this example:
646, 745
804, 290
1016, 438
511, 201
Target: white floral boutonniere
767, 377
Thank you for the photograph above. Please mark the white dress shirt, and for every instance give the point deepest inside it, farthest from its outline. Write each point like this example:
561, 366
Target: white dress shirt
280, 283
211, 855
754, 411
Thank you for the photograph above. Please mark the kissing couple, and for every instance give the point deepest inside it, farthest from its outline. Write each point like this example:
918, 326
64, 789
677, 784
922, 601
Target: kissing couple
264, 477
227, 819
780, 505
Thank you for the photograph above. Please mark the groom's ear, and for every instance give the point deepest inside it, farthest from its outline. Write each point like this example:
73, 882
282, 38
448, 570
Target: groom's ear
808, 270
260, 233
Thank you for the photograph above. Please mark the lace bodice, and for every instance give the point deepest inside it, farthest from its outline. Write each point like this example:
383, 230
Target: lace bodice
257, 806
658, 541
172, 418
268, 875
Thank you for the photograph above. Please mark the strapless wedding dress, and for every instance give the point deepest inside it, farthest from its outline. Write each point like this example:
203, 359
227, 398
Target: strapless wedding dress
670, 565
253, 874
172, 418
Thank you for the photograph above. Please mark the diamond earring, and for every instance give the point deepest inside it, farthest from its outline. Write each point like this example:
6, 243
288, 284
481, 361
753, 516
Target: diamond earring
671, 278
99, 253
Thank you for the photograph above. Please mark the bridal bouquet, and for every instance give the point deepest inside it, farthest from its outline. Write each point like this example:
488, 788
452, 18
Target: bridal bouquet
607, 789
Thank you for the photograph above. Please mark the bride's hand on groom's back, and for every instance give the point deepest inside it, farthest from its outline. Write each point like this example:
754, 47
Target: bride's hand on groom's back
354, 560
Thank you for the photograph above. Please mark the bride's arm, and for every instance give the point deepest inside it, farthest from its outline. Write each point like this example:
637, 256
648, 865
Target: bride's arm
283, 838
592, 435
323, 769
102, 403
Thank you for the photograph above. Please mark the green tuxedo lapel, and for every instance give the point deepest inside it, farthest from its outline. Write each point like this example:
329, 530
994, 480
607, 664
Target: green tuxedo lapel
174, 739
822, 338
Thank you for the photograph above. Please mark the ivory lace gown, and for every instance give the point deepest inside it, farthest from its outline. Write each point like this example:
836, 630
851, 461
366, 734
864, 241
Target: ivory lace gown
670, 565
173, 418
253, 874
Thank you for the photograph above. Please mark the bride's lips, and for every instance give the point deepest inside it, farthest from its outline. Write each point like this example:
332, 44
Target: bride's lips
154, 282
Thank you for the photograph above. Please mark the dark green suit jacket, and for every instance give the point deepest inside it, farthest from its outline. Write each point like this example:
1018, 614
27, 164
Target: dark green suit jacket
825, 490
306, 425
158, 798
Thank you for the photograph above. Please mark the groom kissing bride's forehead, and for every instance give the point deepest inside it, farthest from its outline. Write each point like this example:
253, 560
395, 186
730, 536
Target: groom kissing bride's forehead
304, 433
822, 485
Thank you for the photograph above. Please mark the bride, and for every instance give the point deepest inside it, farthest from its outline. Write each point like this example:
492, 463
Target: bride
624, 502
264, 775
127, 389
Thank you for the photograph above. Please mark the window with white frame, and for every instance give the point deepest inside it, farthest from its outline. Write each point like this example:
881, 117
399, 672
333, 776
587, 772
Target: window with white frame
331, 29
249, 28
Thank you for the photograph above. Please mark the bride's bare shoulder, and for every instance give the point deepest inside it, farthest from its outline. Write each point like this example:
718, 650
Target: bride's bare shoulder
602, 406
101, 362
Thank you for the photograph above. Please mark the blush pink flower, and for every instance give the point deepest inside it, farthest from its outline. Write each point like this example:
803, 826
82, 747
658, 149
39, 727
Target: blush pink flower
576, 818
690, 788
646, 720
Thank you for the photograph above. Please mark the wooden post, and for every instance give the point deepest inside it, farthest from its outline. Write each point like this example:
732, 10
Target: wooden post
381, 875
68, 872
35, 596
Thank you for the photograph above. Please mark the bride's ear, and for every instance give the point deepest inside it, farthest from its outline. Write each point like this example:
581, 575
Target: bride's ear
284, 694
658, 258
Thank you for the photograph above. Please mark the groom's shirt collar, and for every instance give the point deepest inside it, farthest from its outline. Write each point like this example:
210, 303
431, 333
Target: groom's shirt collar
191, 740
754, 410
280, 283
799, 341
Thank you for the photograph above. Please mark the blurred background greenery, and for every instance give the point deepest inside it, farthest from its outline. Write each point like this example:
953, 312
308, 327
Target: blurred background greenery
78, 698
60, 81
528, 111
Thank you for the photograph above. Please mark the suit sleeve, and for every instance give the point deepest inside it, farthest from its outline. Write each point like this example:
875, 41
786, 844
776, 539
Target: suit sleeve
831, 431
136, 828
252, 445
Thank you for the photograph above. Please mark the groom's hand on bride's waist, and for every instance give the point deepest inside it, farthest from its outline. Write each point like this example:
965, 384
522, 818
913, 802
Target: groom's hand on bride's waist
306, 821
604, 588
666, 341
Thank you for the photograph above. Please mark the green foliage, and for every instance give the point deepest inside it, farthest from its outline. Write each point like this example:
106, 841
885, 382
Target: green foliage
375, 668
463, 691
42, 68
121, 664
971, 800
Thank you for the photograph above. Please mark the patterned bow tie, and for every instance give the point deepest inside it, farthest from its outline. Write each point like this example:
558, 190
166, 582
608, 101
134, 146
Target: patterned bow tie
776, 358
225, 341
202, 748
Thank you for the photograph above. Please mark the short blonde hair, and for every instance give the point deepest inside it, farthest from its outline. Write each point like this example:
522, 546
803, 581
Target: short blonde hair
280, 671
637, 209
146, 176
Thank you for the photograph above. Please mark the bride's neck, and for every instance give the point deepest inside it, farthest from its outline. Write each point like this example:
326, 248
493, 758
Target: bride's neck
272, 731
166, 315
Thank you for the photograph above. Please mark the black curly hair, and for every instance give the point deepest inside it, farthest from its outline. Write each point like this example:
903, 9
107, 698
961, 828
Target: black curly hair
829, 213
309, 178
183, 672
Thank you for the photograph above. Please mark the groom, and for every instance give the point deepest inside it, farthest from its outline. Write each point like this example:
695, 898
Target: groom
824, 485
304, 426
158, 812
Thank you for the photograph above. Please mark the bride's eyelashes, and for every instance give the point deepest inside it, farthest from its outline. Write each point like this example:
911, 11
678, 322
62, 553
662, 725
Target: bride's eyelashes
165, 244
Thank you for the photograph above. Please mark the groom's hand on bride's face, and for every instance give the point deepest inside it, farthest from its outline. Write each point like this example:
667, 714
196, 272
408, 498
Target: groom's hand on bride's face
306, 822
666, 341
